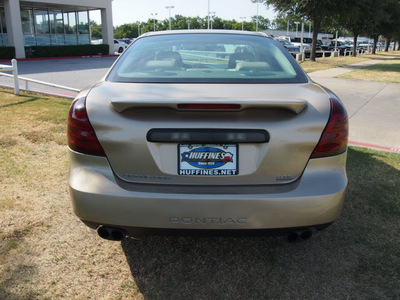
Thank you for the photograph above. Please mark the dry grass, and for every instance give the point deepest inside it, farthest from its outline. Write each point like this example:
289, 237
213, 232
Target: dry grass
47, 253
335, 62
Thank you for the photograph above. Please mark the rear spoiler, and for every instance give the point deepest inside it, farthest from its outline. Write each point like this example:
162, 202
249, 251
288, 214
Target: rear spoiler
296, 106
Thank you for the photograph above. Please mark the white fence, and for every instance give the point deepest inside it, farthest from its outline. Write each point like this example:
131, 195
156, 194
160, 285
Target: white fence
14, 69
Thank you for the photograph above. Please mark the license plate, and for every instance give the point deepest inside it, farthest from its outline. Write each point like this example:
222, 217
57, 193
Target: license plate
208, 159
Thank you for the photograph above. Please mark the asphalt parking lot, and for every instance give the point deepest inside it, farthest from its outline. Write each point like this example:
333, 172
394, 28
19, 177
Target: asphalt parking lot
373, 107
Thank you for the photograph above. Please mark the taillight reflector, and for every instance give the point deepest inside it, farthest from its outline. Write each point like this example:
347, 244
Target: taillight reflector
334, 138
81, 135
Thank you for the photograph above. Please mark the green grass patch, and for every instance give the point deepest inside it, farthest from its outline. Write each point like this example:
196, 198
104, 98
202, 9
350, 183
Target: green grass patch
367, 168
387, 71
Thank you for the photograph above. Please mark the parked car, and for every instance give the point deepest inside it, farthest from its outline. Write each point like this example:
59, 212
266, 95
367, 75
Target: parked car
306, 41
289, 47
126, 41
119, 46
365, 46
341, 46
296, 41
185, 141
322, 47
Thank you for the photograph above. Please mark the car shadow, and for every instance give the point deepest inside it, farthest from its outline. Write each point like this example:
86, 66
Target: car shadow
338, 262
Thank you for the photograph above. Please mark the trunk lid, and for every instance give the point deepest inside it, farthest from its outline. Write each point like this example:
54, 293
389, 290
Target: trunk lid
128, 116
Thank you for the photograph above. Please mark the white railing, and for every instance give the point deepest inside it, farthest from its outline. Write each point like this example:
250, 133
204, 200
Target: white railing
13, 68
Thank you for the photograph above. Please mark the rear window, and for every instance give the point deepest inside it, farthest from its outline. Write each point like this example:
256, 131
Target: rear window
206, 58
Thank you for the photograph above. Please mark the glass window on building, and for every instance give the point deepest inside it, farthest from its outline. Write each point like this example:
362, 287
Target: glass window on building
3, 28
56, 28
42, 25
83, 27
71, 37
28, 27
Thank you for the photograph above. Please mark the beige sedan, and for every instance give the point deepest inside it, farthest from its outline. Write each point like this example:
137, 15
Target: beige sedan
207, 132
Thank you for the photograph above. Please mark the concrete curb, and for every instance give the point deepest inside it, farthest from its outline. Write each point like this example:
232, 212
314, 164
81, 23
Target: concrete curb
376, 147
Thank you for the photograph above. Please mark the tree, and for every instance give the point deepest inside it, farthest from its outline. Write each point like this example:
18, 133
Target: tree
389, 24
317, 11
356, 16
283, 19
127, 31
263, 23
372, 18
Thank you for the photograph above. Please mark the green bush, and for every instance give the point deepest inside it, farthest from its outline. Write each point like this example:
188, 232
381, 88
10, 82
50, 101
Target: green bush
7, 52
70, 50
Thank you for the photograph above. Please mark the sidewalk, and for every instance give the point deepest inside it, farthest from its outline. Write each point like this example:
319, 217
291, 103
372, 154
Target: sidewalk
373, 107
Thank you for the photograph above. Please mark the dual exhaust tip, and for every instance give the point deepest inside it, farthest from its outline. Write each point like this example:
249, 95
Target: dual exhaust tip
298, 236
111, 233
118, 234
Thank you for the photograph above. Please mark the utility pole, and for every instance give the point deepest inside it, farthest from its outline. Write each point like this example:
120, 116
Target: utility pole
212, 13
257, 17
243, 18
169, 10
154, 20
208, 15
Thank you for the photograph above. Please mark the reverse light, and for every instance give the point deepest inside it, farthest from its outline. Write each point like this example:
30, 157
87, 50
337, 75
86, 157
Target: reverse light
334, 138
81, 135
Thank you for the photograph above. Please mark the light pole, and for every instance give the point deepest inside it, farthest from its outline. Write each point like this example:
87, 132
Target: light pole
243, 18
212, 13
154, 20
257, 17
208, 15
169, 10
287, 30
309, 29
297, 26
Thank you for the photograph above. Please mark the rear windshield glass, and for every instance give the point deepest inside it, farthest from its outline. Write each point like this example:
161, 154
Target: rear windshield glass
208, 58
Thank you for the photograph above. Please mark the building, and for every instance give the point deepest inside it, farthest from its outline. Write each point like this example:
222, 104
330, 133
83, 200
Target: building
51, 22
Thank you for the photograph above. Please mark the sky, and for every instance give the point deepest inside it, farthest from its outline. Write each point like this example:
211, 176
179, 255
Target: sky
131, 11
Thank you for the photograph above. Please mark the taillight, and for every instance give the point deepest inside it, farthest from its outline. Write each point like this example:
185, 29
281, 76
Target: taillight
334, 137
81, 135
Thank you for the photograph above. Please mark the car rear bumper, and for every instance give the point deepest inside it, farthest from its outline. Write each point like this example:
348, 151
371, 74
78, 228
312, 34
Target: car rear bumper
316, 198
